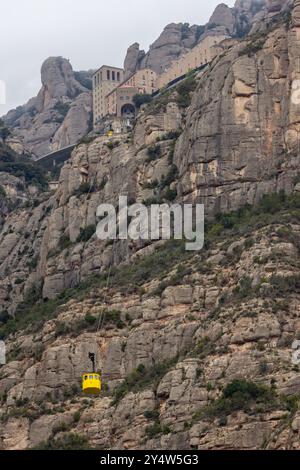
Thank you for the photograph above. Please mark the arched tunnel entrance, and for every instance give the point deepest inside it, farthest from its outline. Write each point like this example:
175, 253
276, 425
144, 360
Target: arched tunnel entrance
128, 111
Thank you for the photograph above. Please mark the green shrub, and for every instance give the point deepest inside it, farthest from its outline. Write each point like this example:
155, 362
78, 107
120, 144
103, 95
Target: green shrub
171, 153
252, 48
113, 144
102, 184
140, 99
170, 194
21, 167
4, 316
263, 368
32, 264
184, 91
4, 131
204, 348
170, 178
64, 242
172, 135
110, 318
2, 192
62, 108
239, 395
283, 285
87, 139
156, 429
244, 289
38, 351
113, 317
69, 441
152, 415
153, 201
76, 416
153, 152
86, 233
142, 378
84, 188
90, 319
159, 103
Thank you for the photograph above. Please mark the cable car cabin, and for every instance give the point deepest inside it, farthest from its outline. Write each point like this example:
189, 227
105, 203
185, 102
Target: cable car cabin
91, 384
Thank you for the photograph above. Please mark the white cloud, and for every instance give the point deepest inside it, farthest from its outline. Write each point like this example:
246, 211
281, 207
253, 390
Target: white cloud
2, 92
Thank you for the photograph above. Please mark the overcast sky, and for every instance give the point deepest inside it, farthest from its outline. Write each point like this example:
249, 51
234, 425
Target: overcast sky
89, 33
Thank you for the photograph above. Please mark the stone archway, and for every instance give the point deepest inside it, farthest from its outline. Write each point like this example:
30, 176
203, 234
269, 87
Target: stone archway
128, 111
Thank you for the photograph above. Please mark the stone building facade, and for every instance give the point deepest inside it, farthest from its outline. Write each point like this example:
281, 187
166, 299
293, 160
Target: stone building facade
201, 54
105, 80
113, 95
120, 100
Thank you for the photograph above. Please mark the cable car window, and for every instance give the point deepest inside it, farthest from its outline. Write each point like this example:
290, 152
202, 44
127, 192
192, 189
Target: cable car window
91, 377
85, 377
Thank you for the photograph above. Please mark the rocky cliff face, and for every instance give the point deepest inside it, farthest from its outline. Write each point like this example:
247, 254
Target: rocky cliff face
176, 330
21, 180
238, 140
177, 39
167, 347
61, 113
243, 124
174, 40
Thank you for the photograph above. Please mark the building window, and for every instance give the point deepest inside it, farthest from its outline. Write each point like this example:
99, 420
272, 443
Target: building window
113, 76
118, 76
108, 74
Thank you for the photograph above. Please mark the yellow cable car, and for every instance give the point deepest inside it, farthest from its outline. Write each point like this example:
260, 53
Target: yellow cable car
110, 133
91, 382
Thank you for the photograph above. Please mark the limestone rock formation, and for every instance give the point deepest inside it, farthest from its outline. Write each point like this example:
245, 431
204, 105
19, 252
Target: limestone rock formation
178, 346
274, 6
238, 141
60, 114
249, 91
222, 16
133, 58
173, 41
236, 21
177, 39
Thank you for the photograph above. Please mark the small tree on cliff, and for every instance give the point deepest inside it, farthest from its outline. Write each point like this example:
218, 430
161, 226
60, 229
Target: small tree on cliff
141, 99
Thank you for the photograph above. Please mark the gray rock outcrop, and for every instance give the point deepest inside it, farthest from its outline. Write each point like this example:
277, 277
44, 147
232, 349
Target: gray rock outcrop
60, 114
177, 39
